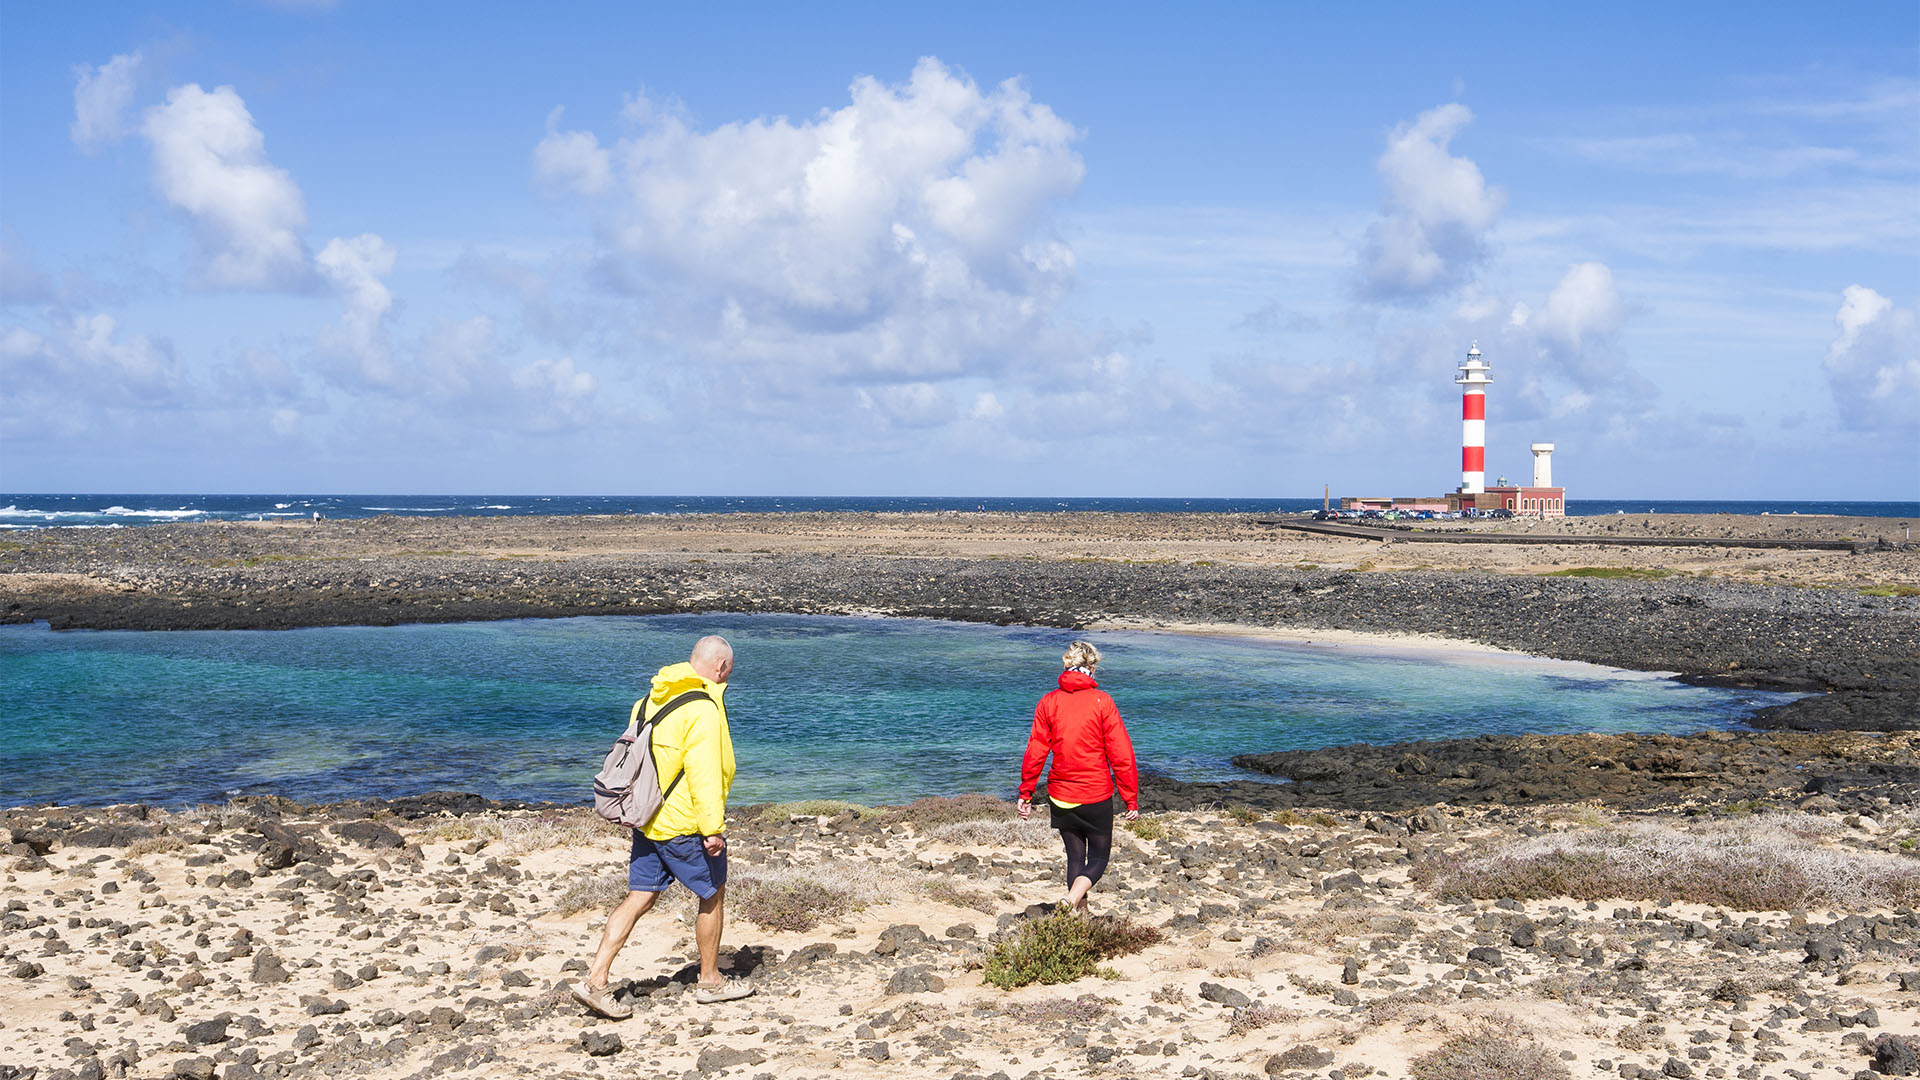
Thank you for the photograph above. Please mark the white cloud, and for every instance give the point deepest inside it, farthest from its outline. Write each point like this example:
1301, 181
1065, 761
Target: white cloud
1438, 209
356, 269
210, 161
1583, 310
900, 238
572, 159
85, 359
1873, 366
101, 96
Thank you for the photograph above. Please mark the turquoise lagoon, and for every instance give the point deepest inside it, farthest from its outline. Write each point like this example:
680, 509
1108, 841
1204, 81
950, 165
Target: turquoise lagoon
872, 710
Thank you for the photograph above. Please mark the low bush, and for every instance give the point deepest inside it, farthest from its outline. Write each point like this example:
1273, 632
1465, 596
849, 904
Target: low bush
1148, 829
996, 831
520, 834
1063, 947
1490, 1052
1757, 863
1891, 590
778, 813
1632, 573
936, 810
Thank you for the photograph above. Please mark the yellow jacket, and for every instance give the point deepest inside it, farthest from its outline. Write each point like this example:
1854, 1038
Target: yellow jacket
693, 737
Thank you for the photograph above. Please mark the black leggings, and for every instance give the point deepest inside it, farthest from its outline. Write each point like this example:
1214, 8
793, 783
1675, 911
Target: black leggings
1087, 831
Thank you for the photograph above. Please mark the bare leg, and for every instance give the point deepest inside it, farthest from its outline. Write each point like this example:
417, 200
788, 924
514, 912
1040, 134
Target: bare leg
1077, 896
706, 931
619, 926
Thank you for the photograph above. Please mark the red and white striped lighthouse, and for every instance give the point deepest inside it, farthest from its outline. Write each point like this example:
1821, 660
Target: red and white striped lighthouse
1473, 380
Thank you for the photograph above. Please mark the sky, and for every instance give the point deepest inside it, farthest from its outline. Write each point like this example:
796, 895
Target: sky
992, 249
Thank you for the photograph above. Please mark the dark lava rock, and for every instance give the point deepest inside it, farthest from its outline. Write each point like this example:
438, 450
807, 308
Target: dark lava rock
1224, 995
876, 1052
369, 834
207, 1032
1895, 1055
1523, 936
599, 1045
715, 1058
1820, 950
1303, 1056
1350, 971
194, 1068
1486, 954
268, 969
917, 979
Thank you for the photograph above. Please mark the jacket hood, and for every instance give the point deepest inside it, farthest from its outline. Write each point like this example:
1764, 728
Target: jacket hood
676, 679
1071, 681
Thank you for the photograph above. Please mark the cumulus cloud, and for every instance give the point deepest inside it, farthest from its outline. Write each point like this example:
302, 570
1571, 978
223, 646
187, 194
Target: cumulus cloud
85, 358
1581, 317
101, 97
1873, 366
899, 239
1437, 210
357, 268
210, 160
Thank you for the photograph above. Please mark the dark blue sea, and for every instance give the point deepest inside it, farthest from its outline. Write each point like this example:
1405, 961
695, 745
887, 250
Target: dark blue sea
42, 511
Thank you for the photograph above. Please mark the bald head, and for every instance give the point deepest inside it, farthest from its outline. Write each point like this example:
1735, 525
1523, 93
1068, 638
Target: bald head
712, 658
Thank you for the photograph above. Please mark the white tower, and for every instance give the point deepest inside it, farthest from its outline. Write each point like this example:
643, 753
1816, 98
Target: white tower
1473, 380
1542, 464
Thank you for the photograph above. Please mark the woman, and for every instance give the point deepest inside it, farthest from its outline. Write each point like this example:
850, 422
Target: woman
1080, 727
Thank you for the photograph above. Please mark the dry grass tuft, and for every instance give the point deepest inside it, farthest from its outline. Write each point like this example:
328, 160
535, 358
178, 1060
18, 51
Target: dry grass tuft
1254, 1017
1763, 863
946, 892
591, 892
155, 845
1494, 1050
799, 898
1076, 1012
996, 832
523, 833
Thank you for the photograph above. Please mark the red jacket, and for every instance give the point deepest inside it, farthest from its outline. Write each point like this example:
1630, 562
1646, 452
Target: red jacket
1079, 725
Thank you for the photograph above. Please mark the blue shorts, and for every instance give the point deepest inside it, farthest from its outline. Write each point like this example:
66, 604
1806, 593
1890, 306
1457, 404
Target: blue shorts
655, 864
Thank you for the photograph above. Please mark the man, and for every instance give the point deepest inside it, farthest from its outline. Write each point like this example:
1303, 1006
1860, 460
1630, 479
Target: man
686, 841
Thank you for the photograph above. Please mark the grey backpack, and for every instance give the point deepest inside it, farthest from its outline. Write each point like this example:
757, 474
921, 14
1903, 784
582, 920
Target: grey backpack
626, 790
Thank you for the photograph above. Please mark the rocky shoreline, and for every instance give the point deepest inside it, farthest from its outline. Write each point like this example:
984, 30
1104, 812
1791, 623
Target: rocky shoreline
1857, 651
434, 937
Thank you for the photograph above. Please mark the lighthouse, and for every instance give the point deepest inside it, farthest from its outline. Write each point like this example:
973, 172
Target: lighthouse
1473, 380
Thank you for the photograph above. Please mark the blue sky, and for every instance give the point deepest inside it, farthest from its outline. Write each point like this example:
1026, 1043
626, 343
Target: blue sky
1233, 250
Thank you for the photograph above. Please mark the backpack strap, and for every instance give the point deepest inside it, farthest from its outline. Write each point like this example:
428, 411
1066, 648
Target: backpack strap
639, 708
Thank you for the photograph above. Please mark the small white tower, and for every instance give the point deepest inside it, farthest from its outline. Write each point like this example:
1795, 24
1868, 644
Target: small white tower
1542, 464
1473, 380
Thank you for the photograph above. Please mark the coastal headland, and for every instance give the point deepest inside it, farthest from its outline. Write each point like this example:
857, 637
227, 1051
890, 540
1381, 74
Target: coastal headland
1729, 904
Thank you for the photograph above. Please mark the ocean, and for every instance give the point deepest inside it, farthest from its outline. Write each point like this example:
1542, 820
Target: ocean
107, 511
870, 710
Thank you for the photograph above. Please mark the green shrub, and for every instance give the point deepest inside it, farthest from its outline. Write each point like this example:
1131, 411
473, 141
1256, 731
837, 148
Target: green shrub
1632, 573
1147, 829
1063, 947
778, 813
